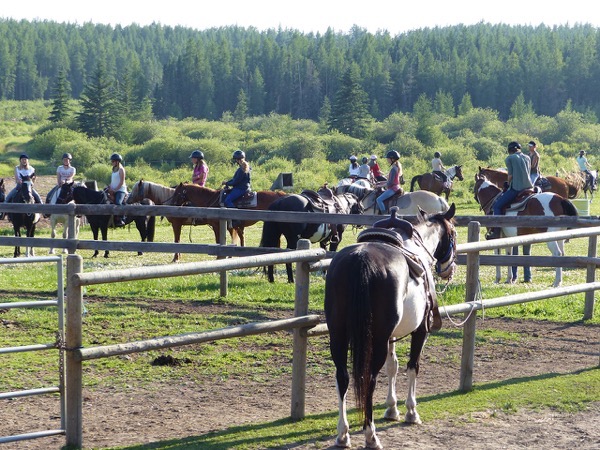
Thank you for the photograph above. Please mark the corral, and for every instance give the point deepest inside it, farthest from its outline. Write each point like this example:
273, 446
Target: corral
330, 398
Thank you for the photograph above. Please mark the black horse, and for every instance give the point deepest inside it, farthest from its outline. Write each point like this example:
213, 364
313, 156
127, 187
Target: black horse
323, 233
99, 223
2, 195
379, 289
27, 221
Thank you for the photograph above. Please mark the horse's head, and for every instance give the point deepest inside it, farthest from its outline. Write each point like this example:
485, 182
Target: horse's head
65, 194
137, 193
180, 196
458, 172
445, 252
485, 191
26, 191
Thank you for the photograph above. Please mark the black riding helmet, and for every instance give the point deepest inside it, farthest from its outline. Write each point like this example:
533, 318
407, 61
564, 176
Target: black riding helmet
514, 145
437, 155
116, 157
238, 154
197, 154
393, 154
67, 155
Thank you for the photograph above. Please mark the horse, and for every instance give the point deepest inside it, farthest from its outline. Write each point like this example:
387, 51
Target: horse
590, 183
430, 182
81, 194
546, 204
377, 291
556, 185
324, 234
63, 219
28, 221
2, 195
204, 197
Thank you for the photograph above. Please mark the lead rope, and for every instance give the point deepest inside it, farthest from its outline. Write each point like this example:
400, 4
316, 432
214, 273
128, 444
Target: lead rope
478, 297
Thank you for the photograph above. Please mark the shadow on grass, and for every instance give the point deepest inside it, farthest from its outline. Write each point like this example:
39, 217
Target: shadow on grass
317, 430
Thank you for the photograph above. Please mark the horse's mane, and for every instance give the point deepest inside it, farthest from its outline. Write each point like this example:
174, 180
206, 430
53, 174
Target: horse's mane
161, 192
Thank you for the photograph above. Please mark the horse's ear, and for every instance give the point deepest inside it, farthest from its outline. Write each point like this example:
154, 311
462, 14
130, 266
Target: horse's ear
450, 213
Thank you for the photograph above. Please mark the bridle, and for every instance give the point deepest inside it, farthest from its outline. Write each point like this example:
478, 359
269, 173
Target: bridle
445, 254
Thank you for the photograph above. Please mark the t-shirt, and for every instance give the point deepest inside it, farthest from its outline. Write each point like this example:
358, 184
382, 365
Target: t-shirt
518, 165
27, 172
66, 173
582, 161
363, 171
436, 163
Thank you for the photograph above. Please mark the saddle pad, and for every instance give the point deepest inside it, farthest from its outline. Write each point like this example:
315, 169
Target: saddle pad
249, 200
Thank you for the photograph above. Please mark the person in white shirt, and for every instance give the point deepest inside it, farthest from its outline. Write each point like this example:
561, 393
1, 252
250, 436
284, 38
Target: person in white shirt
353, 169
65, 173
117, 186
585, 167
438, 167
21, 171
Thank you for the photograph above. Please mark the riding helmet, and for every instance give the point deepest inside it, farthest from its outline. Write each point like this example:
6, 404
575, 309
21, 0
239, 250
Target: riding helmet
393, 154
373, 157
116, 157
437, 155
514, 145
364, 160
23, 155
197, 154
238, 154
353, 158
67, 155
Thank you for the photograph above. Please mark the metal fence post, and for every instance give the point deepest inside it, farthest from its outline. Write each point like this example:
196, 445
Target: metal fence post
300, 342
472, 289
73, 367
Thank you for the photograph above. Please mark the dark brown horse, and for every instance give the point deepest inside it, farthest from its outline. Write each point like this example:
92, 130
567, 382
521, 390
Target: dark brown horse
557, 185
377, 290
544, 204
203, 197
430, 182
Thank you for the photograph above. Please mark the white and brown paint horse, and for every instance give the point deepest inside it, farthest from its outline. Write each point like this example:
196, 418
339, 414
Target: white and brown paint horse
545, 204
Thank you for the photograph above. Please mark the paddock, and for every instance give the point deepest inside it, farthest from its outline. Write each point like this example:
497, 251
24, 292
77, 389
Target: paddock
303, 323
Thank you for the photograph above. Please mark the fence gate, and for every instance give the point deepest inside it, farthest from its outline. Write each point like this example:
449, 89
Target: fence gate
59, 304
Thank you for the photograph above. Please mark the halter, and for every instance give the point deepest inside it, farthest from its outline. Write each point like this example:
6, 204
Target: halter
444, 266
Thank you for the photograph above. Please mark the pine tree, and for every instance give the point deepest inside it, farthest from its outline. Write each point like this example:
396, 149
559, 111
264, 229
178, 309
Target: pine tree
350, 110
241, 110
60, 99
100, 110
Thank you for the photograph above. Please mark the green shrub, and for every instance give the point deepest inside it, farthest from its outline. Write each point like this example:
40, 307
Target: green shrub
339, 147
43, 145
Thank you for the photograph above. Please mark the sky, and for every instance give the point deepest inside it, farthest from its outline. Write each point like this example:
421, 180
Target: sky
395, 16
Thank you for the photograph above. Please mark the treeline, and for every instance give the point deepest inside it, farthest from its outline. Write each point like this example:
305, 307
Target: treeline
183, 72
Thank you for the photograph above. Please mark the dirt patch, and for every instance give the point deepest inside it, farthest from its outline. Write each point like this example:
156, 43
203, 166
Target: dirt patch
134, 415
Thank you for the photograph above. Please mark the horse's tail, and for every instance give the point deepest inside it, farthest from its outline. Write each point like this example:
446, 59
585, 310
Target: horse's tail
568, 208
413, 181
359, 324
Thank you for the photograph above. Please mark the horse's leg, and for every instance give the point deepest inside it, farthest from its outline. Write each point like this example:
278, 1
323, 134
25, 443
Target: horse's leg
177, 235
417, 342
140, 224
378, 358
527, 269
513, 271
104, 231
339, 353
94, 228
557, 249
17, 229
391, 368
497, 251
30, 251
53, 223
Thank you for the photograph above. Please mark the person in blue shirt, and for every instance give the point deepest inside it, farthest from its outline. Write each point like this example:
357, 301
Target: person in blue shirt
240, 183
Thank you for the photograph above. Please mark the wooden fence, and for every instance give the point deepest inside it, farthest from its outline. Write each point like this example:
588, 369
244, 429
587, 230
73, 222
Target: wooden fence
303, 324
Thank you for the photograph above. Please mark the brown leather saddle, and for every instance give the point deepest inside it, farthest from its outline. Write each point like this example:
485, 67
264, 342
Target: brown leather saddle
399, 234
249, 200
322, 201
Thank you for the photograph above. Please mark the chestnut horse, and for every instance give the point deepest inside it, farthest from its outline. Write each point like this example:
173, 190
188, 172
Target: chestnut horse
376, 292
430, 182
544, 204
203, 197
558, 185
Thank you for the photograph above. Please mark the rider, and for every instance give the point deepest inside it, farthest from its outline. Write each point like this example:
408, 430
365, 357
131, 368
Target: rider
518, 166
393, 181
364, 170
376, 170
200, 172
534, 173
240, 183
353, 169
21, 171
64, 174
585, 167
438, 167
117, 186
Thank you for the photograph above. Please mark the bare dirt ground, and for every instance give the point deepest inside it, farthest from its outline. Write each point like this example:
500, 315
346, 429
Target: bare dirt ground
134, 415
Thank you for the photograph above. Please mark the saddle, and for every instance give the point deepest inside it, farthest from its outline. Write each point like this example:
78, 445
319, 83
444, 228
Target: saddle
322, 201
543, 183
520, 202
399, 233
248, 200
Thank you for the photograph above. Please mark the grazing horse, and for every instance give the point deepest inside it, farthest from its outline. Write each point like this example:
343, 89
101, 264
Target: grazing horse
324, 234
27, 221
556, 185
63, 219
545, 204
430, 182
377, 291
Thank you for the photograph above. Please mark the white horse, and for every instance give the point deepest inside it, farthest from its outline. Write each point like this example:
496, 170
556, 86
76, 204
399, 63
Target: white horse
63, 219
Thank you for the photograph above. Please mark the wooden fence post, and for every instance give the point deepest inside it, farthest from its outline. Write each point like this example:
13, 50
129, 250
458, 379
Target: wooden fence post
472, 294
73, 367
588, 310
300, 341
223, 241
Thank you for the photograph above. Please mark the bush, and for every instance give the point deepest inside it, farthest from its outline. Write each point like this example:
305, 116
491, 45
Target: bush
339, 147
43, 145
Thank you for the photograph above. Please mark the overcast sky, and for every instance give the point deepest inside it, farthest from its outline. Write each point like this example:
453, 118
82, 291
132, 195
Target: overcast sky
396, 16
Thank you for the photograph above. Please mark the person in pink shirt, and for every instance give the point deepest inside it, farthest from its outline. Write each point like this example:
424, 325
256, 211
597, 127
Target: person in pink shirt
200, 172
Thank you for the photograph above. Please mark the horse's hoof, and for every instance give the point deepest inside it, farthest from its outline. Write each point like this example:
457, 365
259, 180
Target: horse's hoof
343, 442
412, 418
392, 414
140, 253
